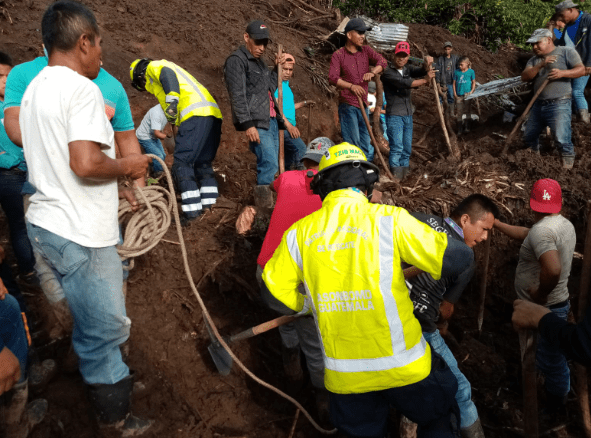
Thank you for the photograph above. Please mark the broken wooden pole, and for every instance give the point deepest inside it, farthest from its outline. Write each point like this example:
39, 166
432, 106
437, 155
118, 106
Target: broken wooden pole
373, 139
309, 138
523, 116
455, 153
483, 281
280, 103
581, 370
527, 343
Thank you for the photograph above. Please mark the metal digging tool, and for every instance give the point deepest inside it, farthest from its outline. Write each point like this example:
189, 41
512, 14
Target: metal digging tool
221, 358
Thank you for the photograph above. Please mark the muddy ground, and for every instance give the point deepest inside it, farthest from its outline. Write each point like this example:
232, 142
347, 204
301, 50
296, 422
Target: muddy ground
187, 397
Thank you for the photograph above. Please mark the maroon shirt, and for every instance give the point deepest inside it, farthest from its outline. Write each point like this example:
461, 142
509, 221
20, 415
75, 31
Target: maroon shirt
351, 67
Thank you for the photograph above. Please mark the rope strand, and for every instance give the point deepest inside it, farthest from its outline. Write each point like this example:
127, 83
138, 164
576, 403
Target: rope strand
144, 231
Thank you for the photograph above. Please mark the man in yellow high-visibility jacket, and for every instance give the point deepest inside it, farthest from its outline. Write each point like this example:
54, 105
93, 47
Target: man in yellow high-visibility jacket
348, 255
187, 104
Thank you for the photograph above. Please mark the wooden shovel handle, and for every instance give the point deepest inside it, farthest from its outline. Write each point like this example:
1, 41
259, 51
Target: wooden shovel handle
373, 139
264, 327
520, 120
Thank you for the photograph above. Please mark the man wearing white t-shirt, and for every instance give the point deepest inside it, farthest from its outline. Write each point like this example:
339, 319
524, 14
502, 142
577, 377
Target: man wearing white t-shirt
72, 219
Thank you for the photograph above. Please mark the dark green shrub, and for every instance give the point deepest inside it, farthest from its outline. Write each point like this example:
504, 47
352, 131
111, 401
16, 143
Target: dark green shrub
488, 22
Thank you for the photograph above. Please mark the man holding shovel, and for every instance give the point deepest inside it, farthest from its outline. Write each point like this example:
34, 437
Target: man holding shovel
398, 81
350, 73
553, 108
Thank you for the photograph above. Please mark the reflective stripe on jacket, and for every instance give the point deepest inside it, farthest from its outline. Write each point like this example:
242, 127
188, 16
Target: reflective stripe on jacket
348, 256
194, 99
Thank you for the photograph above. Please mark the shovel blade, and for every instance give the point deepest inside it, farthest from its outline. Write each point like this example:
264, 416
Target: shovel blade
221, 359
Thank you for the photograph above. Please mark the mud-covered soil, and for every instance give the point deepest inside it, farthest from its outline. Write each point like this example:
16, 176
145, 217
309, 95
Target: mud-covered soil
186, 396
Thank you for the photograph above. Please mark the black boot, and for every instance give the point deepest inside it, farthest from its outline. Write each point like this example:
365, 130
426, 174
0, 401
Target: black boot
112, 406
18, 418
473, 431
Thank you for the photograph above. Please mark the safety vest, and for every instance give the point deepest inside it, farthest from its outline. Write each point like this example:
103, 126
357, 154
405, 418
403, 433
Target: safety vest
194, 99
347, 255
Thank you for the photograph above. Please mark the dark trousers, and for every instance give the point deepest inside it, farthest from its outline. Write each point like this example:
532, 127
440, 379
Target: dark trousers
11, 200
197, 143
430, 403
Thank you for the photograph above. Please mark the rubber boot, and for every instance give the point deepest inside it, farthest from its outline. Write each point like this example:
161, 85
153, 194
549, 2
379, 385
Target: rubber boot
263, 198
473, 431
405, 172
112, 406
41, 374
20, 418
584, 115
555, 405
323, 405
398, 173
452, 109
568, 162
466, 125
292, 365
460, 124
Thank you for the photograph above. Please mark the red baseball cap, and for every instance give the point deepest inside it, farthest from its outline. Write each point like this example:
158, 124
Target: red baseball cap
546, 196
402, 47
289, 59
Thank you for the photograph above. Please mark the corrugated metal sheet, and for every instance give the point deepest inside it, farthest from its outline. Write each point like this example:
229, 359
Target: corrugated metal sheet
496, 87
384, 36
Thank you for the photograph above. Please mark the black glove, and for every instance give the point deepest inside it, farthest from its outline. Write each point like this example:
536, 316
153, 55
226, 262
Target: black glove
171, 111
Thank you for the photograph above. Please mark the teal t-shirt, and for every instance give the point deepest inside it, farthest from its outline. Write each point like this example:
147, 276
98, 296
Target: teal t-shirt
464, 81
288, 103
116, 102
10, 154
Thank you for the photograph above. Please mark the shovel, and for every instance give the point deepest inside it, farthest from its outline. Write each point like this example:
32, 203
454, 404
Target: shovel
220, 356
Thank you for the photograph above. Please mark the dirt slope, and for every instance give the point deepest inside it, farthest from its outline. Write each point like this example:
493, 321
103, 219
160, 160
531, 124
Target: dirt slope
187, 397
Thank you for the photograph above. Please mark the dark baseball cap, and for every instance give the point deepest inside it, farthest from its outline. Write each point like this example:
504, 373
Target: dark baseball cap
357, 24
258, 30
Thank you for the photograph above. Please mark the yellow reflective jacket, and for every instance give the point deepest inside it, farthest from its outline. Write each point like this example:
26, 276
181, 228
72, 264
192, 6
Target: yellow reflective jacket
194, 99
348, 256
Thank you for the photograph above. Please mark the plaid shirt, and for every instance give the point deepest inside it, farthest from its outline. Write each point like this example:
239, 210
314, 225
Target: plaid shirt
351, 67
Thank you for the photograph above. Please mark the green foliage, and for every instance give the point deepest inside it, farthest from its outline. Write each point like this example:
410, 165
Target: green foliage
488, 22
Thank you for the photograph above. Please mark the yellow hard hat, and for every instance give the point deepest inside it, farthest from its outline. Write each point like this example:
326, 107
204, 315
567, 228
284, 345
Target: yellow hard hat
137, 73
340, 154
342, 166
132, 68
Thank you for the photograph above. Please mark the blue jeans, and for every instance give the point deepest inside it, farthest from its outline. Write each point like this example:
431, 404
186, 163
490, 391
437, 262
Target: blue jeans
12, 331
295, 149
552, 363
400, 139
557, 116
154, 146
579, 100
92, 280
468, 412
354, 130
383, 125
267, 153
11, 200
450, 94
